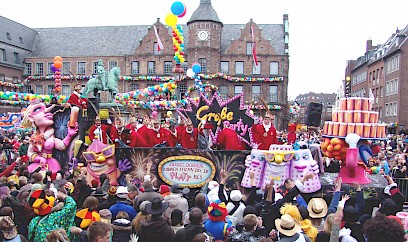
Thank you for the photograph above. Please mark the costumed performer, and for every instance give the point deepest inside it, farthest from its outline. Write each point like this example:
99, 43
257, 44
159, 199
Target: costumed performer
75, 98
264, 135
228, 140
158, 135
189, 135
98, 131
292, 134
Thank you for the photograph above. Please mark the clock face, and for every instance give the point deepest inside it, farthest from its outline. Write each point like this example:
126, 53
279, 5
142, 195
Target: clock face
202, 35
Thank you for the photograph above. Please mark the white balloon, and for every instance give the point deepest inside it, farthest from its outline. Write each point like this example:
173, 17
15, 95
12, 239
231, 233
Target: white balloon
190, 73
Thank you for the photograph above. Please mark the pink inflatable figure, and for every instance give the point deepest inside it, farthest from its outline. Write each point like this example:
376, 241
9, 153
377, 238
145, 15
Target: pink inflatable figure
302, 163
277, 167
43, 140
254, 162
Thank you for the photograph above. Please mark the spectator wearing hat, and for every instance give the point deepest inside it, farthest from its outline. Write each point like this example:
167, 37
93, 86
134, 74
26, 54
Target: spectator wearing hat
122, 227
140, 217
175, 201
106, 216
235, 207
121, 205
217, 225
157, 228
250, 222
9, 230
84, 217
289, 229
193, 228
164, 190
101, 196
296, 214
317, 209
148, 195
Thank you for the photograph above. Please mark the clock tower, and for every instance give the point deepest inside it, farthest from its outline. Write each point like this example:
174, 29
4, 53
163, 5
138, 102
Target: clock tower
204, 41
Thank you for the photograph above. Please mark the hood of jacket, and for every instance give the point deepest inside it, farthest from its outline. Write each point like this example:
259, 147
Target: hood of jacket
173, 199
122, 224
194, 229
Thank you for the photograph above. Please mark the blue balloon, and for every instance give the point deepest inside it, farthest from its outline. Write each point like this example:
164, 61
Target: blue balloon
196, 68
177, 8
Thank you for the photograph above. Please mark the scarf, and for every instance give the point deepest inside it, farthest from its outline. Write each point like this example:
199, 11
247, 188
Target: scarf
267, 127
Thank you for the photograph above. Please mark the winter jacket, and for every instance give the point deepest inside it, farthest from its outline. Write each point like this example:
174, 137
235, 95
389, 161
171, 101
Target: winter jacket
122, 206
219, 230
298, 237
188, 232
148, 195
156, 229
243, 236
176, 201
122, 228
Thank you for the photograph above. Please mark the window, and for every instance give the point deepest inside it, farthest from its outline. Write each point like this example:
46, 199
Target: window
133, 87
168, 67
81, 68
392, 64
395, 109
151, 67
66, 90
223, 91
16, 58
27, 69
256, 93
156, 50
239, 68
39, 69
182, 90
112, 64
238, 89
27, 89
135, 67
15, 79
49, 89
8, 35
249, 48
184, 65
329, 109
39, 89
224, 67
2, 77
273, 94
274, 68
380, 114
381, 91
3, 55
21, 40
49, 71
256, 70
95, 68
203, 64
66, 67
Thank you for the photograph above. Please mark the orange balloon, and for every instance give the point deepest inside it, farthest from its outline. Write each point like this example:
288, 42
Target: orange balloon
58, 64
57, 58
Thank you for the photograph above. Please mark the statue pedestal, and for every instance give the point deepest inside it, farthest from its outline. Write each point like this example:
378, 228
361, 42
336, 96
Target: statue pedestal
104, 97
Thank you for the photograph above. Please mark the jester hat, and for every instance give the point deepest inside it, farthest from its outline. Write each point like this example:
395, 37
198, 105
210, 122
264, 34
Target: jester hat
84, 218
41, 203
217, 211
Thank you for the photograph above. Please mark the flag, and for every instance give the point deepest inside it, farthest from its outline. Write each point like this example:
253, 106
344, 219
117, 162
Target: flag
159, 43
254, 46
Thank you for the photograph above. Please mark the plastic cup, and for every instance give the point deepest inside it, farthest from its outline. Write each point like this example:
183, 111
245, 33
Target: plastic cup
357, 104
348, 117
365, 117
342, 129
340, 116
325, 127
351, 127
366, 130
350, 104
359, 129
330, 128
365, 104
73, 117
357, 116
373, 131
336, 128
373, 117
335, 116
343, 104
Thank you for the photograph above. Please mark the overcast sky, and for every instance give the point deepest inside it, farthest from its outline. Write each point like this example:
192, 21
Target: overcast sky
324, 34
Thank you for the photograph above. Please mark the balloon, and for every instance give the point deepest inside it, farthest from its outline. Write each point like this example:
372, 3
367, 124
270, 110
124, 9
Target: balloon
177, 8
171, 19
57, 64
196, 68
169, 113
190, 73
57, 58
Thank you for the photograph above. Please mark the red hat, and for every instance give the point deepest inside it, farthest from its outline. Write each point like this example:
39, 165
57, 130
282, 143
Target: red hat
164, 189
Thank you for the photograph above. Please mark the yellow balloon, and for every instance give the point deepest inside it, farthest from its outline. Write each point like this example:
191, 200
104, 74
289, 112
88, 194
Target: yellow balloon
171, 19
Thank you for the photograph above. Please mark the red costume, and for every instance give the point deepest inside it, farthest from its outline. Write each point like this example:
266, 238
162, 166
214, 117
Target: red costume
158, 137
292, 134
187, 140
102, 133
228, 140
262, 137
75, 99
136, 140
144, 133
117, 135
173, 139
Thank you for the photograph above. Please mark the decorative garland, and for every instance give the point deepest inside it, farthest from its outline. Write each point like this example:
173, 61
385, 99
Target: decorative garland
195, 87
260, 106
9, 84
21, 98
152, 105
163, 78
157, 90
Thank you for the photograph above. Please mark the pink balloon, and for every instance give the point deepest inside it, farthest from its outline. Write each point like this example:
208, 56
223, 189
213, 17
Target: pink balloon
184, 13
154, 114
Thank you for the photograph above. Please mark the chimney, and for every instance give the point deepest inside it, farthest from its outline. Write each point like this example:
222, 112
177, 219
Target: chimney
369, 45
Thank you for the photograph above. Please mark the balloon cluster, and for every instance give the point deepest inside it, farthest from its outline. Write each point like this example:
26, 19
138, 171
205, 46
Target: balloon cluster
56, 68
205, 87
9, 84
178, 10
193, 74
334, 148
294, 109
25, 97
153, 91
155, 105
178, 44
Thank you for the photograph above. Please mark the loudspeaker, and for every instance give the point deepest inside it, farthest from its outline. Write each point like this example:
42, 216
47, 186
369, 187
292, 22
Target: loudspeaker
314, 114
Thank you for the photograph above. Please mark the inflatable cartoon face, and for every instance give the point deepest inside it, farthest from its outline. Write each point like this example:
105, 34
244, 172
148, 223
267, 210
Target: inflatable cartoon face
254, 162
277, 167
302, 163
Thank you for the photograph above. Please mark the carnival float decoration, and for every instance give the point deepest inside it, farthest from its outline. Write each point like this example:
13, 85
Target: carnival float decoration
43, 141
348, 137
